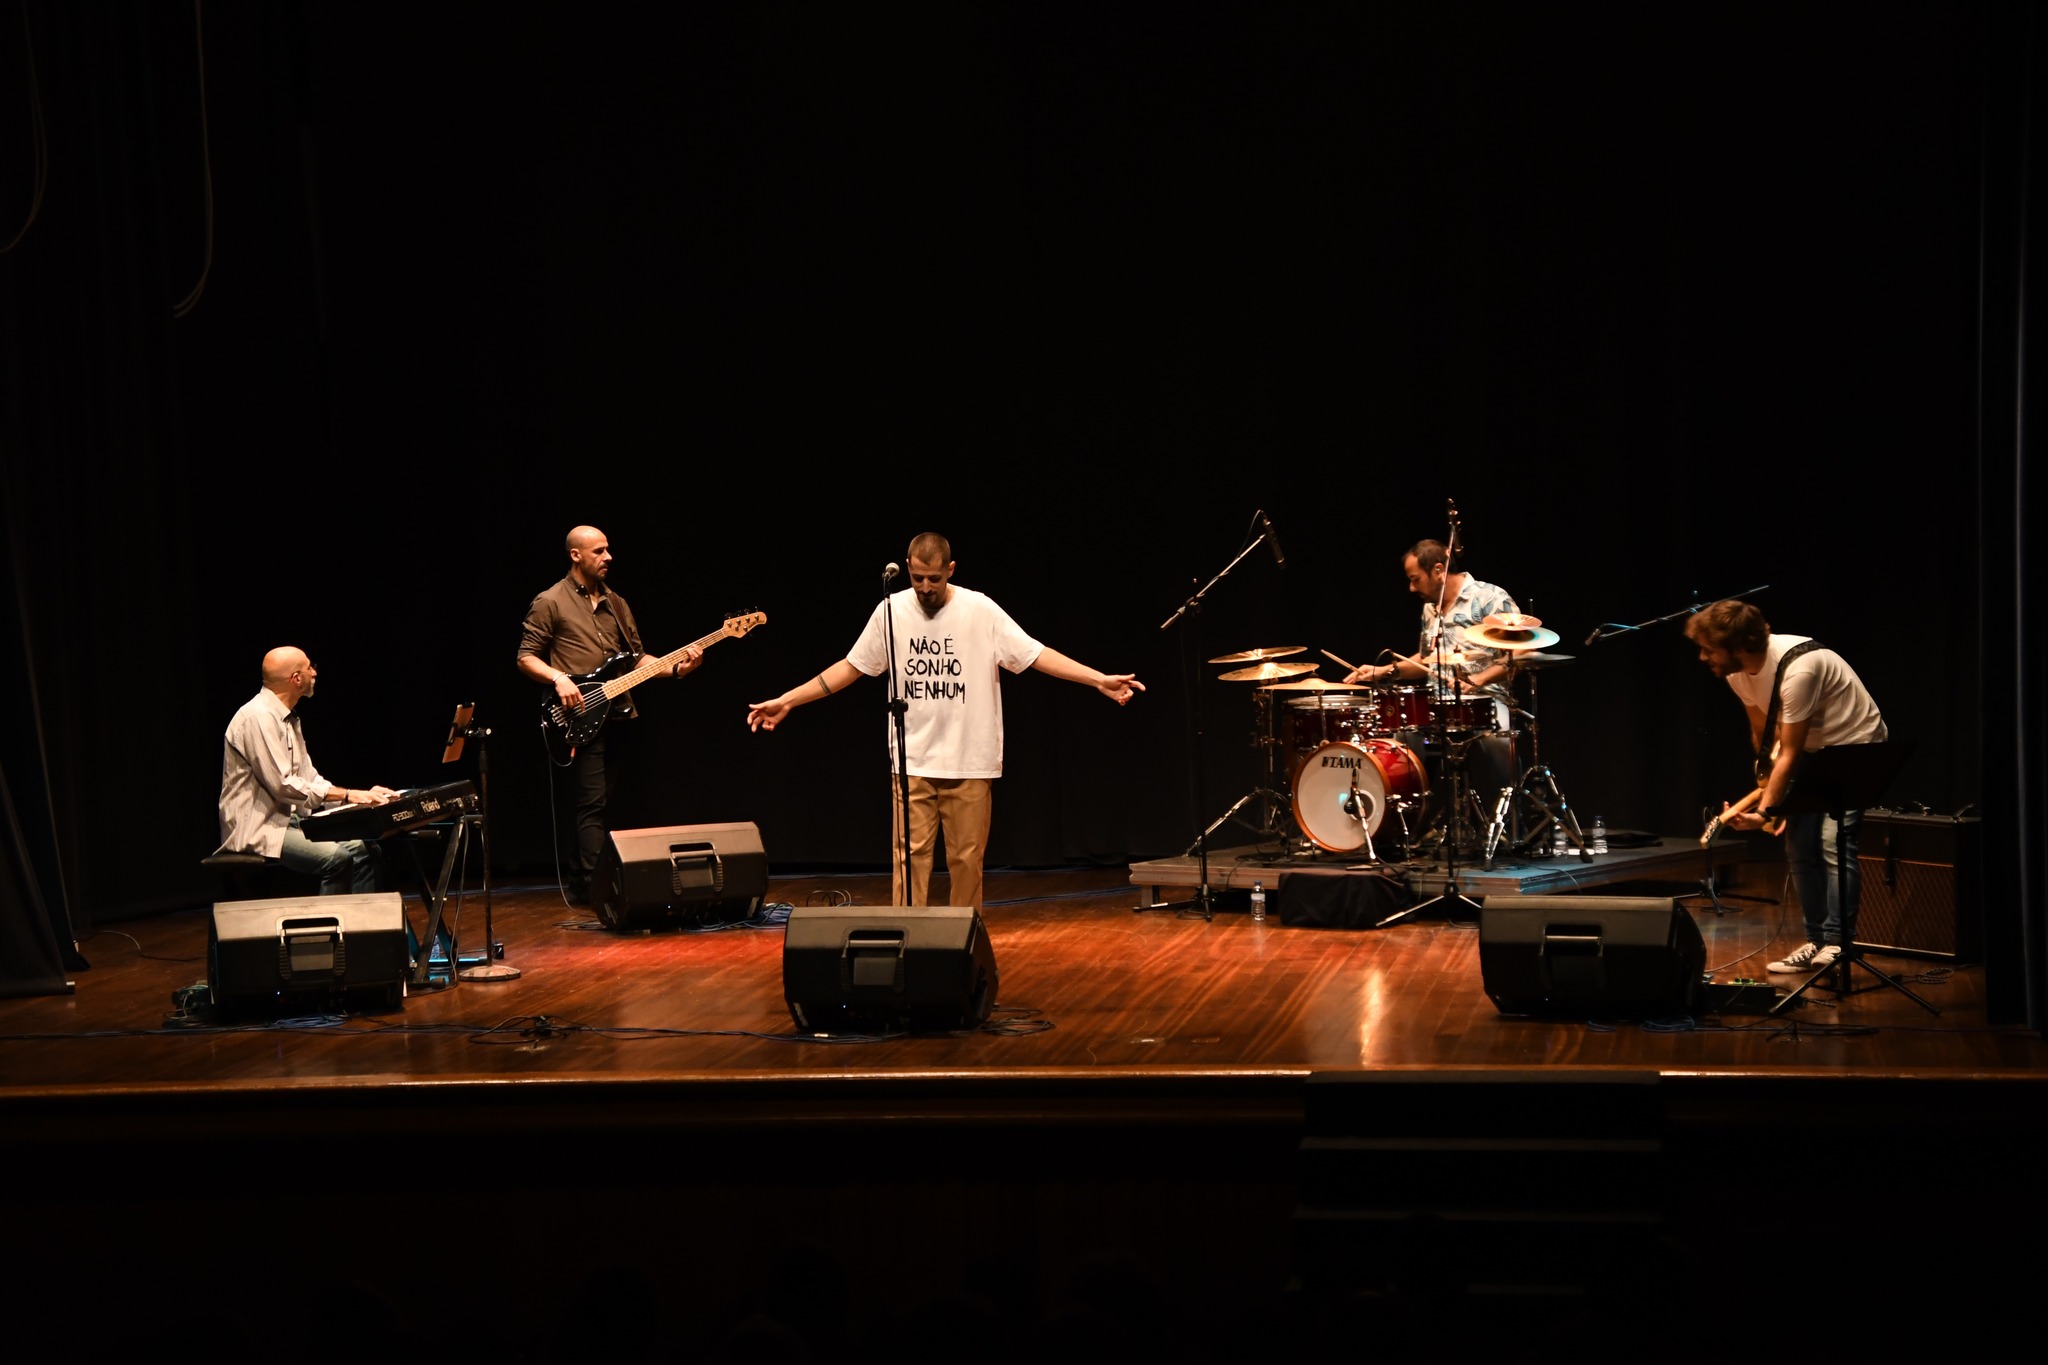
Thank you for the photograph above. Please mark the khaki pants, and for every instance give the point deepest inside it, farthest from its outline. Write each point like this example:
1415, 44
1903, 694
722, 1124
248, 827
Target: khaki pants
959, 805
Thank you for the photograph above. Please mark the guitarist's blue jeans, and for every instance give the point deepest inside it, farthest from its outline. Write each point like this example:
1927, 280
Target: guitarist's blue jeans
1812, 845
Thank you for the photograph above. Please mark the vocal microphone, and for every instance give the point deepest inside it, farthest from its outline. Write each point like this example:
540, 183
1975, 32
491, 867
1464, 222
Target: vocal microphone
889, 571
1272, 540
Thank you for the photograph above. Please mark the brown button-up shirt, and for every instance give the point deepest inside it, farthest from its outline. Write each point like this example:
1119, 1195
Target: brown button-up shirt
576, 634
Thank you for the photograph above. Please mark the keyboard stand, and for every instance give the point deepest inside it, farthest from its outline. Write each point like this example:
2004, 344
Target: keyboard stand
425, 974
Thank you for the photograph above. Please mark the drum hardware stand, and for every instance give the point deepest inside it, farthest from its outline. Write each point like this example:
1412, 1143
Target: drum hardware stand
1270, 801
1203, 902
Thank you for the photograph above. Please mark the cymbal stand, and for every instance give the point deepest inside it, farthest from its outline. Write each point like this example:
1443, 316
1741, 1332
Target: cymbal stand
1539, 790
1271, 802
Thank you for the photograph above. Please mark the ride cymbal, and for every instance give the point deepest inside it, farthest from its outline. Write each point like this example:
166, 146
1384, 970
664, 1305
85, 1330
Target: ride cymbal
1532, 659
1252, 656
1314, 685
1263, 672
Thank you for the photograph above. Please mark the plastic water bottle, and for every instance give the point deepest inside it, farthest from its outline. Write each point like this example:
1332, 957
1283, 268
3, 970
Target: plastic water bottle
1599, 835
1559, 848
1258, 902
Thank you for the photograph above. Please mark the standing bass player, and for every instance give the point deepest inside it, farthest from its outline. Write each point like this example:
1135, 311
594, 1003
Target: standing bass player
574, 628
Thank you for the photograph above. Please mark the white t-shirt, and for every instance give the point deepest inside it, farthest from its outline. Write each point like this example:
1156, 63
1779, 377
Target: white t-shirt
1820, 688
946, 670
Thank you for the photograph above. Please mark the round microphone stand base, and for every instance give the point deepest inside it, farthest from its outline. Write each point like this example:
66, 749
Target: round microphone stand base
489, 971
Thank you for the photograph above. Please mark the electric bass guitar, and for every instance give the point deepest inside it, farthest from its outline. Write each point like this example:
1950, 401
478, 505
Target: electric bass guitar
569, 729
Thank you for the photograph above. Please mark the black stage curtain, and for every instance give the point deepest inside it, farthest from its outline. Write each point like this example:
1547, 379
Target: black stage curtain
2014, 577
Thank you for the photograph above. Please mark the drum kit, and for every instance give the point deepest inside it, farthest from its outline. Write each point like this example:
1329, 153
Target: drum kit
1350, 767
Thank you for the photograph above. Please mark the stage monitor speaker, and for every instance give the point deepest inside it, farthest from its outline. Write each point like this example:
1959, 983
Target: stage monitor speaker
874, 969
1920, 890
308, 954
1590, 955
680, 876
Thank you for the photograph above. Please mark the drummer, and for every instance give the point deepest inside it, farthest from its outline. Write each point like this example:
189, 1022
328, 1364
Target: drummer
1454, 607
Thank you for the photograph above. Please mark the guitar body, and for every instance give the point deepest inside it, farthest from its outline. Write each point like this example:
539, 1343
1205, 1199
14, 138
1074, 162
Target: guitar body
566, 730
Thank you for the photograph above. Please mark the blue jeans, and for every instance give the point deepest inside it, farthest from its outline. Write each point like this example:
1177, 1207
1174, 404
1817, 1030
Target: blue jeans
1812, 847
351, 865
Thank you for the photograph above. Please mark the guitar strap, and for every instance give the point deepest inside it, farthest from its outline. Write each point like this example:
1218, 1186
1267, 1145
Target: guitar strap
1777, 704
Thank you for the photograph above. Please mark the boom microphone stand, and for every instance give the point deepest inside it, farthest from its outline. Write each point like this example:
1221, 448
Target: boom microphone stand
898, 707
1203, 901
1452, 899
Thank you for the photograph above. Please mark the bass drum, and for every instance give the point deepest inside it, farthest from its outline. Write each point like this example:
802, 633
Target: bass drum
1344, 791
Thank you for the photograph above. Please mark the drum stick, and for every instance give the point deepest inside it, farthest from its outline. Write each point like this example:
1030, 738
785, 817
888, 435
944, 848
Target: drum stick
1352, 666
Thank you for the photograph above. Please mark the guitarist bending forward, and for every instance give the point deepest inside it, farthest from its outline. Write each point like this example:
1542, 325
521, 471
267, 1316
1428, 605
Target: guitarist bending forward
1800, 697
575, 628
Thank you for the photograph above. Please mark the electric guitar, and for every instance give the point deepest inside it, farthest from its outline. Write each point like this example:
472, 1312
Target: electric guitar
568, 730
1774, 826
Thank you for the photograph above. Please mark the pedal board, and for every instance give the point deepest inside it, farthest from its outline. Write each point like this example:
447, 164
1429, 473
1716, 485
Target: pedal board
1739, 997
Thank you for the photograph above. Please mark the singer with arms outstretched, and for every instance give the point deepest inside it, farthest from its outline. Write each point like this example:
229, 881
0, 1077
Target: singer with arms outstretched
949, 643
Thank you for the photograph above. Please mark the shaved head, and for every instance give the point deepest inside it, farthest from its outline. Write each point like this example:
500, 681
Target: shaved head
280, 663
583, 537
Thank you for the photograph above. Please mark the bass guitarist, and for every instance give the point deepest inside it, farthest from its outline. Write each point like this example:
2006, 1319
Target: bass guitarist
574, 628
1800, 697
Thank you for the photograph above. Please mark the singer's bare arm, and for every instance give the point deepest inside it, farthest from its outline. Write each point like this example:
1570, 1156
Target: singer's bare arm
766, 715
1118, 687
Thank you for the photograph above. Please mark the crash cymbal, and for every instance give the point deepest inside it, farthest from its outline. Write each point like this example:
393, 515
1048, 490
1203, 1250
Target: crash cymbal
1264, 672
1533, 659
1513, 620
1511, 637
1252, 656
1314, 685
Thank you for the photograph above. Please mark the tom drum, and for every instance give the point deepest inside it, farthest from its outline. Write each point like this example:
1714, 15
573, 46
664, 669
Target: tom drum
1326, 717
1405, 706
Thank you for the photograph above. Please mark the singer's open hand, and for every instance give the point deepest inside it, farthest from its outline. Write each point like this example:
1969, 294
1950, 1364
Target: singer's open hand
766, 715
1119, 687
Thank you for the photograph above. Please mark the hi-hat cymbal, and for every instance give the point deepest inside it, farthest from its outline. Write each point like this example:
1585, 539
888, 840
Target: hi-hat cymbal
1513, 620
1252, 656
1314, 685
1533, 659
1511, 637
1264, 672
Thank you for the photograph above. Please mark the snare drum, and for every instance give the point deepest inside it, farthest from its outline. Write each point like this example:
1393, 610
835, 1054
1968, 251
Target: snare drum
1323, 717
1404, 706
1344, 791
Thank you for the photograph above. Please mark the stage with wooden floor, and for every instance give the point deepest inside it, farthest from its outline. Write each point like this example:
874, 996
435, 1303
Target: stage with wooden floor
1215, 1131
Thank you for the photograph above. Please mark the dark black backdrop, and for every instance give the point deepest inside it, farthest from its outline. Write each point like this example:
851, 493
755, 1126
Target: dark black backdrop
1672, 301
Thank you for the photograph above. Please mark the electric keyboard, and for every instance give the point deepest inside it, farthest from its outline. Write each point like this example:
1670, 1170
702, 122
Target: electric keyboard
410, 809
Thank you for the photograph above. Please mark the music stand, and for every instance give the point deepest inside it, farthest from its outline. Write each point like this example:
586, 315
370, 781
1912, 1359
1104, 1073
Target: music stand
1830, 781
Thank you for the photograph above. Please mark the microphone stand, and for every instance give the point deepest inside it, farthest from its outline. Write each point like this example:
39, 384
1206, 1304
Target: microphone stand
491, 968
1601, 632
1202, 902
897, 709
1451, 898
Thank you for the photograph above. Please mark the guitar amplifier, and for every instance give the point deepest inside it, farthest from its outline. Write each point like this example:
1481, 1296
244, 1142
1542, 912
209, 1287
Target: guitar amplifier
1921, 885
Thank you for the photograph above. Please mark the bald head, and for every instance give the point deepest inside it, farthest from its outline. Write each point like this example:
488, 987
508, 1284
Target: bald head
590, 557
289, 673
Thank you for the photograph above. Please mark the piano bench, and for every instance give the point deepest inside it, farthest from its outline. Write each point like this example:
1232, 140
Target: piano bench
253, 877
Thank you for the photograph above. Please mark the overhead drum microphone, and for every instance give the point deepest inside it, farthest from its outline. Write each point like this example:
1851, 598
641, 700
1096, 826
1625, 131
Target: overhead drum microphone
1272, 539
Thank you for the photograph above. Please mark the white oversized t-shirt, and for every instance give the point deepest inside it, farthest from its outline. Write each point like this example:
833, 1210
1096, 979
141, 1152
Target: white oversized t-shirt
946, 670
1820, 688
